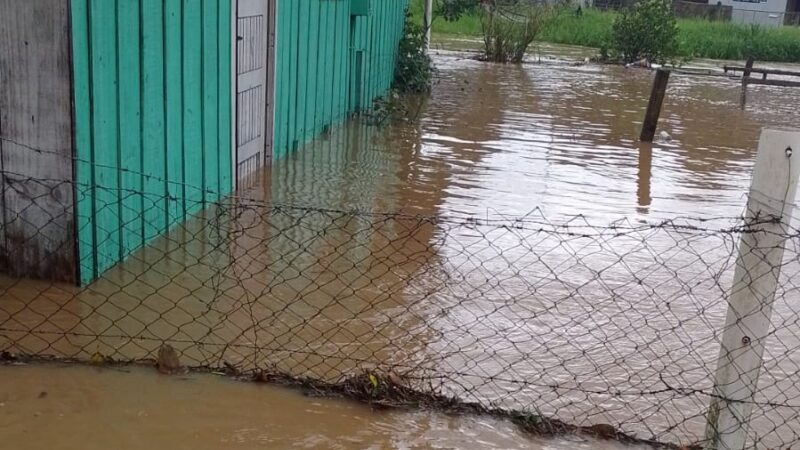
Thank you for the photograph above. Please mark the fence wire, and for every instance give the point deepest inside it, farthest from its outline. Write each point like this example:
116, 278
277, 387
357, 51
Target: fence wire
613, 329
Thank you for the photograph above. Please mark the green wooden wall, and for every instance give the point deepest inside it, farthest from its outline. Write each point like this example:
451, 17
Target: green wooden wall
329, 63
152, 90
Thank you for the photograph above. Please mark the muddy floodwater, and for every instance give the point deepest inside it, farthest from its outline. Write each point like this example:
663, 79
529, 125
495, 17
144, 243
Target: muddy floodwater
57, 407
505, 139
519, 293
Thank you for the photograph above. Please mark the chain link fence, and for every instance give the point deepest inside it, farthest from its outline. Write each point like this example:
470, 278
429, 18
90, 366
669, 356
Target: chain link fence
612, 329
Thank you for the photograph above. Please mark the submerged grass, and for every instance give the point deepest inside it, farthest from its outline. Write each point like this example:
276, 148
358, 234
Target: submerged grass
696, 38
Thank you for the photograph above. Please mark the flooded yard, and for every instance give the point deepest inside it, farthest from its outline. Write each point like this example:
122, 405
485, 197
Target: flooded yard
57, 407
514, 245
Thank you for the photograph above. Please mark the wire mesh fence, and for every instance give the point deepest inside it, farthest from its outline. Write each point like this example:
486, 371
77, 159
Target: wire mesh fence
569, 325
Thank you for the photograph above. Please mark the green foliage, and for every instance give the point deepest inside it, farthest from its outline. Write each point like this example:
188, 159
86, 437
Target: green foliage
592, 29
414, 68
453, 10
697, 38
648, 30
509, 31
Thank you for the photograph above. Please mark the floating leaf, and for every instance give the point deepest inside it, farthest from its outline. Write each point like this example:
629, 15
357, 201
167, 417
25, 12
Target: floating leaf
374, 380
97, 358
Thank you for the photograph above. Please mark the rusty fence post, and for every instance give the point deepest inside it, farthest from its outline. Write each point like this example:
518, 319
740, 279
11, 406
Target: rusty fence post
654, 106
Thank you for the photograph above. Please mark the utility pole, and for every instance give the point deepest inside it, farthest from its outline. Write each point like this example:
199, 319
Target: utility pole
428, 20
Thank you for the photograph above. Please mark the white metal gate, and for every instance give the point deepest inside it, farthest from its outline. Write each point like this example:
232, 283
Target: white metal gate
255, 43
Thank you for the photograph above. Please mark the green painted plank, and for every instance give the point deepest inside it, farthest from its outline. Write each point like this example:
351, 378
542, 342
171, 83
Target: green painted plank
173, 46
293, 75
303, 35
103, 36
153, 119
225, 98
330, 82
277, 137
130, 102
192, 156
312, 69
345, 55
83, 139
323, 66
211, 181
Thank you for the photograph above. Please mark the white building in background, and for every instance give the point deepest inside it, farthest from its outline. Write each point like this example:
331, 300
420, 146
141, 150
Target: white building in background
763, 12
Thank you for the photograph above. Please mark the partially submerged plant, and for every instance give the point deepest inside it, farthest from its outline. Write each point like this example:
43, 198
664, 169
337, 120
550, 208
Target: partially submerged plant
509, 26
414, 69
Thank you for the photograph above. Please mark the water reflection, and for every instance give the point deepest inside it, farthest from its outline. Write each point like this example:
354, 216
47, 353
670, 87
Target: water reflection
643, 179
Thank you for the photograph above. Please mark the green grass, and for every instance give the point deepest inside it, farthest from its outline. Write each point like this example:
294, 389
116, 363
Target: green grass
696, 38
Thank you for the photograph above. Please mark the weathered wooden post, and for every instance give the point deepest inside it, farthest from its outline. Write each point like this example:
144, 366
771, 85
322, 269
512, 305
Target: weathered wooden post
654, 106
748, 66
743, 96
772, 194
428, 18
745, 78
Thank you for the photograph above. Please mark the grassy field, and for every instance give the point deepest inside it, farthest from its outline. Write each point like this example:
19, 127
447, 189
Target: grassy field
697, 38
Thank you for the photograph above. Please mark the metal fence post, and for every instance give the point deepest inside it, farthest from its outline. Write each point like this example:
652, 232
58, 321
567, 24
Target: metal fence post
758, 264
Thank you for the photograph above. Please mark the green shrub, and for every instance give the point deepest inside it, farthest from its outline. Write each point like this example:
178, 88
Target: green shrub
414, 68
648, 30
509, 31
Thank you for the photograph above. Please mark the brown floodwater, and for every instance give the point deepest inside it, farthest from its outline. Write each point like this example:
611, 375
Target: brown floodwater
64, 408
510, 310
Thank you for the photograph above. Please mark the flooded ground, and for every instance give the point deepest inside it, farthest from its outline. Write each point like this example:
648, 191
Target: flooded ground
57, 407
506, 139
539, 284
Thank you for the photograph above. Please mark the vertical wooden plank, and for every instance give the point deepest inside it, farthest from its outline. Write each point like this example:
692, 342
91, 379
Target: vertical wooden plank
83, 140
270, 85
225, 99
303, 93
192, 155
130, 124
330, 111
314, 67
293, 76
106, 132
153, 119
324, 69
343, 85
173, 104
280, 78
211, 180
36, 150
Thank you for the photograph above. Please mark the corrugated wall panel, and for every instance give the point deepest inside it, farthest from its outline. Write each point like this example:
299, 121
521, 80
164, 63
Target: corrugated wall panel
153, 119
316, 82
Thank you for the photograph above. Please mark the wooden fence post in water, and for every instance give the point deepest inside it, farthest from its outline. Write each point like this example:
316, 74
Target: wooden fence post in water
654, 106
772, 194
745, 77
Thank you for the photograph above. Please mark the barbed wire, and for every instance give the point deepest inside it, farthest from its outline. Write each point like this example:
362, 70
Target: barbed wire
579, 325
